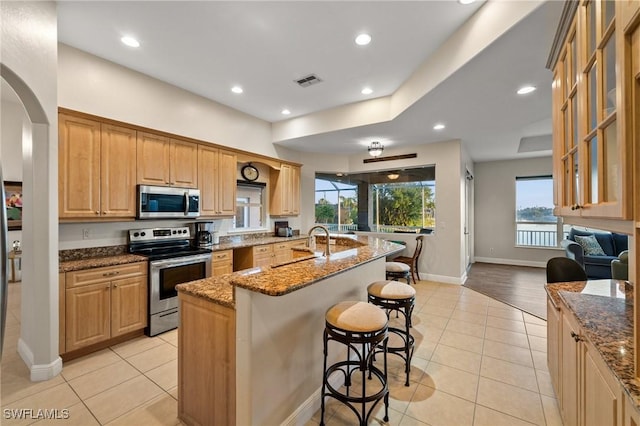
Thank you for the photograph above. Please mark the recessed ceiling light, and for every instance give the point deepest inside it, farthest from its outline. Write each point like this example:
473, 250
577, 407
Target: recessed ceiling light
130, 41
525, 89
363, 39
367, 91
466, 1
237, 89
286, 112
438, 126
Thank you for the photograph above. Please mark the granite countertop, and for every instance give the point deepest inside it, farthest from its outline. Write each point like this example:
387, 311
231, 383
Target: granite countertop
604, 311
97, 262
277, 280
234, 242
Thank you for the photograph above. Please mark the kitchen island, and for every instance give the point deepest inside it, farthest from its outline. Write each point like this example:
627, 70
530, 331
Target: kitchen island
250, 343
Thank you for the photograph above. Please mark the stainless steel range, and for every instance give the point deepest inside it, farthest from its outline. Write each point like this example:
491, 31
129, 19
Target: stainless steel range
172, 261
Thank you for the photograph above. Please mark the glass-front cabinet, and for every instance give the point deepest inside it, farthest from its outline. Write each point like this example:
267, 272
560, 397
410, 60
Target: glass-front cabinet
591, 169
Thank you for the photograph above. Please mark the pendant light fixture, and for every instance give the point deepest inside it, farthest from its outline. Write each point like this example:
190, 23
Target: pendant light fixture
375, 149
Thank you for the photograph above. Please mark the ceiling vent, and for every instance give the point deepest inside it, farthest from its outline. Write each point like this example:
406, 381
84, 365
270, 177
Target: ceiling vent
308, 80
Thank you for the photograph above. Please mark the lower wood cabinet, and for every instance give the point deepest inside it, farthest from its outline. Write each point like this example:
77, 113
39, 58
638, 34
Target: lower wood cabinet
588, 393
222, 262
265, 254
103, 303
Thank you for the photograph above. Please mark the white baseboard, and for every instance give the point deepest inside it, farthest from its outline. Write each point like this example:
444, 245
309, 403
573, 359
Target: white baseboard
514, 262
311, 405
443, 278
39, 372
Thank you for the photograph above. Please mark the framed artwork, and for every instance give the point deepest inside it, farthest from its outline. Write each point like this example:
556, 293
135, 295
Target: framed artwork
13, 204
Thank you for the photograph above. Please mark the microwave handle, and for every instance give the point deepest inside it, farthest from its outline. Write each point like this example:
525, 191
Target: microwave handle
186, 203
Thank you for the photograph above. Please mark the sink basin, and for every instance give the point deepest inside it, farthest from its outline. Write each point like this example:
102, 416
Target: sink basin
298, 259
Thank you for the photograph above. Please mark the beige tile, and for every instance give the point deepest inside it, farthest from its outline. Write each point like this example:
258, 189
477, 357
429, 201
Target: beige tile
17, 384
540, 360
528, 318
170, 337
469, 316
537, 330
136, 346
451, 380
457, 358
400, 395
510, 373
78, 415
471, 306
424, 320
97, 381
506, 324
59, 397
89, 363
174, 393
162, 410
511, 400
424, 349
507, 352
439, 302
506, 336
544, 383
551, 411
487, 417
154, 357
440, 408
462, 341
464, 327
165, 376
505, 312
440, 311
121, 399
410, 421
538, 343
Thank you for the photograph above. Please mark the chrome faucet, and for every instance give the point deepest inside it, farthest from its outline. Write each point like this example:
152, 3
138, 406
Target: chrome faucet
327, 250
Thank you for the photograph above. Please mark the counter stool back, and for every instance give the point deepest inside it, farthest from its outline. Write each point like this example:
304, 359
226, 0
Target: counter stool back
362, 328
563, 269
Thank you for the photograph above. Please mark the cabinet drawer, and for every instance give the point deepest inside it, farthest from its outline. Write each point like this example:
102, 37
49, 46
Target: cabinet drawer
263, 250
281, 246
222, 256
96, 275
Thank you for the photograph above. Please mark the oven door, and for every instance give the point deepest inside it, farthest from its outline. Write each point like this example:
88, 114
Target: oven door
166, 274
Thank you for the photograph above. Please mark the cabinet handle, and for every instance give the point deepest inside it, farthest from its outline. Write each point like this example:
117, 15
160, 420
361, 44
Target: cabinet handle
110, 274
576, 337
115, 285
97, 212
576, 207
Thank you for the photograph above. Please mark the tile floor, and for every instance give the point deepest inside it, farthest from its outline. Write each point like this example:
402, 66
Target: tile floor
477, 362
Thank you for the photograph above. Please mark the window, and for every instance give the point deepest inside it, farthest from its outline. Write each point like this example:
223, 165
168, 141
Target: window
249, 207
536, 226
381, 201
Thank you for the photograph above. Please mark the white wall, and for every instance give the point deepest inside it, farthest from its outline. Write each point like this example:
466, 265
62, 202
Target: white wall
29, 51
495, 206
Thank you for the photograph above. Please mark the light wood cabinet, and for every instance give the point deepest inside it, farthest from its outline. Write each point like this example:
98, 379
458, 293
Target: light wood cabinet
96, 169
265, 254
222, 262
588, 393
102, 303
206, 363
262, 255
166, 162
590, 107
217, 173
285, 191
283, 252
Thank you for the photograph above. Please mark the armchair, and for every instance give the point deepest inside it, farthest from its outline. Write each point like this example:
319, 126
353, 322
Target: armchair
620, 266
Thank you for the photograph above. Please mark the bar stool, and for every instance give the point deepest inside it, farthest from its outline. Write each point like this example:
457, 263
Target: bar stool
398, 270
398, 297
362, 328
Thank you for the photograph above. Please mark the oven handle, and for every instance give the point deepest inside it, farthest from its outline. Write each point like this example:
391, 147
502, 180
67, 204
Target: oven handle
180, 261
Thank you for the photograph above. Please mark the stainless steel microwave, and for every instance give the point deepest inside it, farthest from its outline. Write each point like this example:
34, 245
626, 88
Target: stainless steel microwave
162, 202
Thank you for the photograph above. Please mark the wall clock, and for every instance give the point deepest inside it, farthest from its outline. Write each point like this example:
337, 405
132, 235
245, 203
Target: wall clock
250, 172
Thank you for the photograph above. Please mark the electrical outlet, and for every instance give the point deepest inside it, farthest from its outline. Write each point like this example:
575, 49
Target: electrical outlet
86, 234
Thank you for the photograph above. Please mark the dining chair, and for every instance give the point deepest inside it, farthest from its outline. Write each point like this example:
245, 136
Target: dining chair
412, 261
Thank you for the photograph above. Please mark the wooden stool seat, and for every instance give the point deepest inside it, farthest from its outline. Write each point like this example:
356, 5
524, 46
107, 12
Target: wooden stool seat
398, 270
391, 290
360, 317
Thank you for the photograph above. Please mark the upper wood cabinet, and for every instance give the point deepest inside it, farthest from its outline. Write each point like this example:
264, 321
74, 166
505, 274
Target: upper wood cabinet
590, 115
285, 191
217, 173
166, 162
96, 169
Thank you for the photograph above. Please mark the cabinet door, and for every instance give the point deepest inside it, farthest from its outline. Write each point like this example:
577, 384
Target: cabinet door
553, 345
569, 373
153, 159
600, 402
78, 167
262, 255
88, 311
282, 252
184, 164
128, 305
295, 190
207, 180
118, 171
227, 177
285, 191
222, 262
